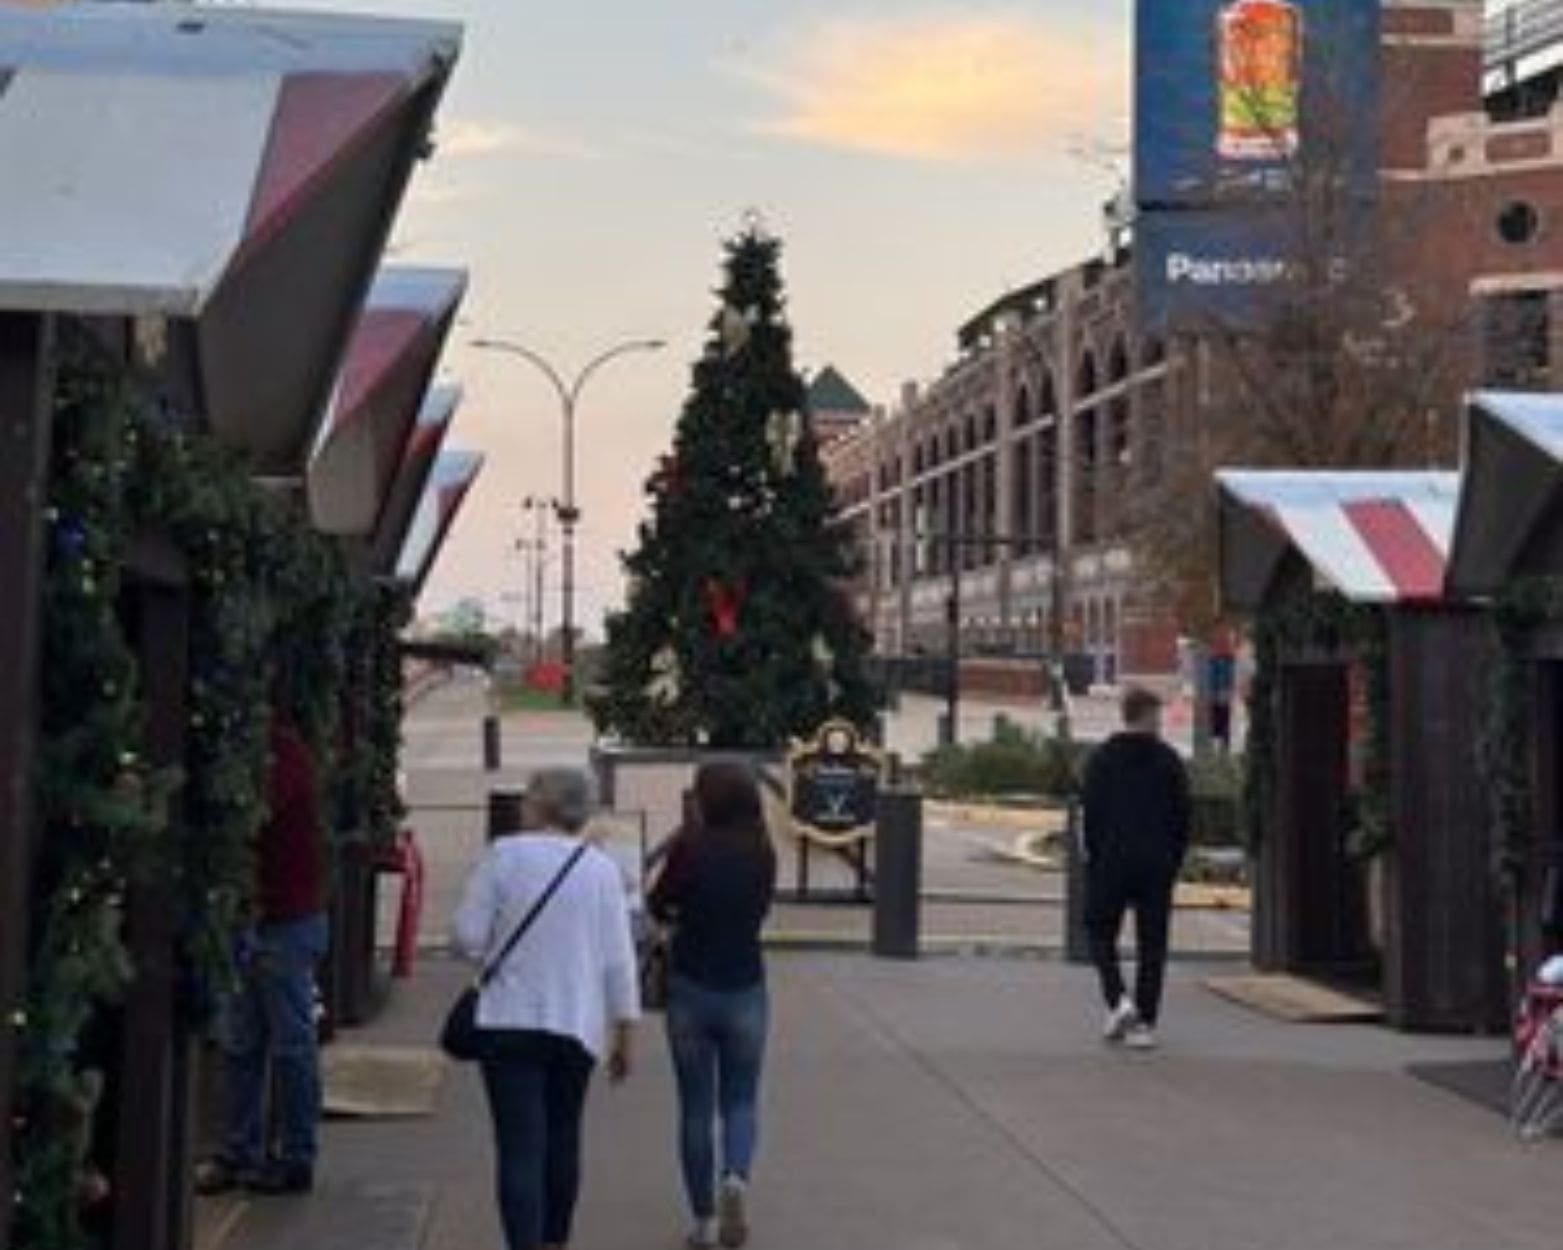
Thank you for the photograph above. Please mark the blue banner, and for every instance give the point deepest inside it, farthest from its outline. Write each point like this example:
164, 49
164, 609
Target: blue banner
1229, 94
1233, 98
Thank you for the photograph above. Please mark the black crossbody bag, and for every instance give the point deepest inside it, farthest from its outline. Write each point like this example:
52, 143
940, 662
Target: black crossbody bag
462, 1038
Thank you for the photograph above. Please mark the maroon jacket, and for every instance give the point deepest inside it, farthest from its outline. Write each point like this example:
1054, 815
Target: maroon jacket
291, 846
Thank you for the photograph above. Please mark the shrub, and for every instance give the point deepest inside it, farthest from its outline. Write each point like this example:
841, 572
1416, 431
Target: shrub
1015, 762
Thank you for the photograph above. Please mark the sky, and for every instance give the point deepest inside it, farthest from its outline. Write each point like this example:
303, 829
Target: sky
917, 159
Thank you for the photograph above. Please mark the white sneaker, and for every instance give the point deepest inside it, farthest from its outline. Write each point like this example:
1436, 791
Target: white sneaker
1140, 1037
1120, 1020
732, 1212
702, 1236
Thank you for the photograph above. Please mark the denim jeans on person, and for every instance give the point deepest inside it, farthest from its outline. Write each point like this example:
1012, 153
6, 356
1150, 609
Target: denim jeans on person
718, 1042
536, 1085
269, 1028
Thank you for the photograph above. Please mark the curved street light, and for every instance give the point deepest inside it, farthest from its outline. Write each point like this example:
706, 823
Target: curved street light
568, 511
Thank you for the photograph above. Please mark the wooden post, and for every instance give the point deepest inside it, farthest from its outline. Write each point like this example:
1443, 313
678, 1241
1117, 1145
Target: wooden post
152, 1182
26, 383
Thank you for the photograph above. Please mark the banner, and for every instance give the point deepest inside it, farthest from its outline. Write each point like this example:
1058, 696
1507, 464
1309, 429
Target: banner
1233, 99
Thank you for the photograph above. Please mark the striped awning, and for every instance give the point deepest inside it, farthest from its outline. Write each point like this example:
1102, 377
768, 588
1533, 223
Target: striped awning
452, 477
1374, 537
384, 382
1513, 485
401, 506
234, 168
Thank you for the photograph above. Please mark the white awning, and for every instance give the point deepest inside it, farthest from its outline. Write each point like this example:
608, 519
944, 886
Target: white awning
452, 477
236, 169
412, 476
1374, 537
383, 384
1513, 483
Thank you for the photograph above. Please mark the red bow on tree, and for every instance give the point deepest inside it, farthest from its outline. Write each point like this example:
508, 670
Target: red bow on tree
726, 604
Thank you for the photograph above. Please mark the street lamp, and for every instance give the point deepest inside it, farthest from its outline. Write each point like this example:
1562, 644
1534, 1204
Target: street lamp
568, 511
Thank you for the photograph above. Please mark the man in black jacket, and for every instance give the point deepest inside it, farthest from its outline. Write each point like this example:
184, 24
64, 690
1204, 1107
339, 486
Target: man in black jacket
1136, 834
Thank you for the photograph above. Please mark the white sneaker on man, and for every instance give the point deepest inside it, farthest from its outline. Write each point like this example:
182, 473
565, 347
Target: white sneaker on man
732, 1212
1120, 1020
1140, 1036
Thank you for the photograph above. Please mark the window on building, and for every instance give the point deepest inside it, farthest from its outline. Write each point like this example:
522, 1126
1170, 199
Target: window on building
1046, 523
1022, 521
1085, 475
1085, 377
1023, 410
1518, 334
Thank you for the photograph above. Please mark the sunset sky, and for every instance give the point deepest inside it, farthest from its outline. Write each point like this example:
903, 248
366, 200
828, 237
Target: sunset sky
916, 158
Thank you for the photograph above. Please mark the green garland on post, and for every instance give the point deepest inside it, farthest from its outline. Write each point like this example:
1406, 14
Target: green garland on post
1519, 610
100, 806
267, 595
1329, 624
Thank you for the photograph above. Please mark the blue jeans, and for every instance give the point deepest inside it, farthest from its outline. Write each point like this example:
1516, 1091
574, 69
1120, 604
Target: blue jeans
536, 1088
718, 1042
269, 1028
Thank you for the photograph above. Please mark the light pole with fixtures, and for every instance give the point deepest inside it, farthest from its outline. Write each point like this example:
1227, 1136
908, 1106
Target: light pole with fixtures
568, 511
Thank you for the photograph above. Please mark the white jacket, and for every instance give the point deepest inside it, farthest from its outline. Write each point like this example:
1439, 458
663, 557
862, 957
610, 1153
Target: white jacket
574, 973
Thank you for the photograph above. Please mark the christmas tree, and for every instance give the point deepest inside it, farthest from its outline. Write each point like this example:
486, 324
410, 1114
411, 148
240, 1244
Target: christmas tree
740, 630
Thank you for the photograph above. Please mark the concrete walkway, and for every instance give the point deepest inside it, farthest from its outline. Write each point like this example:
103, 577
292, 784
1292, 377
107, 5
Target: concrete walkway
953, 1104
966, 1105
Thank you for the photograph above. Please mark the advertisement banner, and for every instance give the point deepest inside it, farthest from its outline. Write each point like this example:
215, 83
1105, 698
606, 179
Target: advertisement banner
1234, 99
1230, 93
1203, 267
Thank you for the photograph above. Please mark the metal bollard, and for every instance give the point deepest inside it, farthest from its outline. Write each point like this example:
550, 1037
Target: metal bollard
504, 813
491, 744
898, 870
1077, 945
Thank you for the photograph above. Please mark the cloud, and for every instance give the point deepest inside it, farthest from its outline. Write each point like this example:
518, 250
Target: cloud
471, 138
946, 87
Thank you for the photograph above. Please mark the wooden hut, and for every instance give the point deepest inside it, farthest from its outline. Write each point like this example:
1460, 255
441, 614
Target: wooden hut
209, 191
1507, 554
367, 439
1369, 850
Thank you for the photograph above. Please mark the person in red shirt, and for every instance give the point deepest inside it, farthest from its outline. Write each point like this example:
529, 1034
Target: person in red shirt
269, 1021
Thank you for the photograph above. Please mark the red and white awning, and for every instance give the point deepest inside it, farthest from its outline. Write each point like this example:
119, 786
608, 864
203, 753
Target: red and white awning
406, 492
1374, 537
233, 168
452, 477
1511, 494
384, 382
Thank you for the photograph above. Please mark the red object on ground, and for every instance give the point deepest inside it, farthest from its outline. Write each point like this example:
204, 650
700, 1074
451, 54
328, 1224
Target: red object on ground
407, 860
547, 676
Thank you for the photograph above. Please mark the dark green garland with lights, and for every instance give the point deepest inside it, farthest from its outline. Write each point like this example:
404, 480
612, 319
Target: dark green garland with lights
1323, 624
268, 598
1521, 608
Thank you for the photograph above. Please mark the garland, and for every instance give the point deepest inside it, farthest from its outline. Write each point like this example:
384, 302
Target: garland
1520, 608
268, 598
100, 806
1333, 624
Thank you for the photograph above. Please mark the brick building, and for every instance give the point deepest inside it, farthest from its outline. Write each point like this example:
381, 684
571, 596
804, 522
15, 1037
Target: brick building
1059, 407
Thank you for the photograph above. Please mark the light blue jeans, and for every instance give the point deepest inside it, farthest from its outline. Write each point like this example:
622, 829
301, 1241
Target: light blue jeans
718, 1042
269, 1025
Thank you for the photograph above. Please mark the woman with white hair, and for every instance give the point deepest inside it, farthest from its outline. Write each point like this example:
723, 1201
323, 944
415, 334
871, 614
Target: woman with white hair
563, 998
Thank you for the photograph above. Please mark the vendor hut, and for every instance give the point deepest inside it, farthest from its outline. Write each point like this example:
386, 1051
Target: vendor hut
1365, 797
195, 200
1508, 555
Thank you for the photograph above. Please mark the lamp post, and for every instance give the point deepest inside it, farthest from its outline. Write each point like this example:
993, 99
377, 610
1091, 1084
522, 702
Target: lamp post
538, 508
568, 511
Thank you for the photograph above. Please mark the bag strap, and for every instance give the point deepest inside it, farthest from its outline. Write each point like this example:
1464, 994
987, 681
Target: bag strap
491, 969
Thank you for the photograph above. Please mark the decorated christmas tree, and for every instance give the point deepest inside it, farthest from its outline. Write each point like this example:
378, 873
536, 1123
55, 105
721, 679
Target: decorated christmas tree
740, 629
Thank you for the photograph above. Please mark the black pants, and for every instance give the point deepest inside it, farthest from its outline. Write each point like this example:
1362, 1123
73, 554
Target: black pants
536, 1094
1111, 890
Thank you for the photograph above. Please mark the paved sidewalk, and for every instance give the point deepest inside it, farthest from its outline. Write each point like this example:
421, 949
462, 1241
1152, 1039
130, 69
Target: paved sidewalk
966, 1105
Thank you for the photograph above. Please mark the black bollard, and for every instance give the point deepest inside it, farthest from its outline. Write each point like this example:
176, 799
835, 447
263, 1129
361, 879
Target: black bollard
491, 743
1077, 945
504, 813
898, 871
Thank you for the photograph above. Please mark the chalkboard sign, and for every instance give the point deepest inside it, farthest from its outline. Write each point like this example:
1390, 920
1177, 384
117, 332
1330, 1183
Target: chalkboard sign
834, 785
